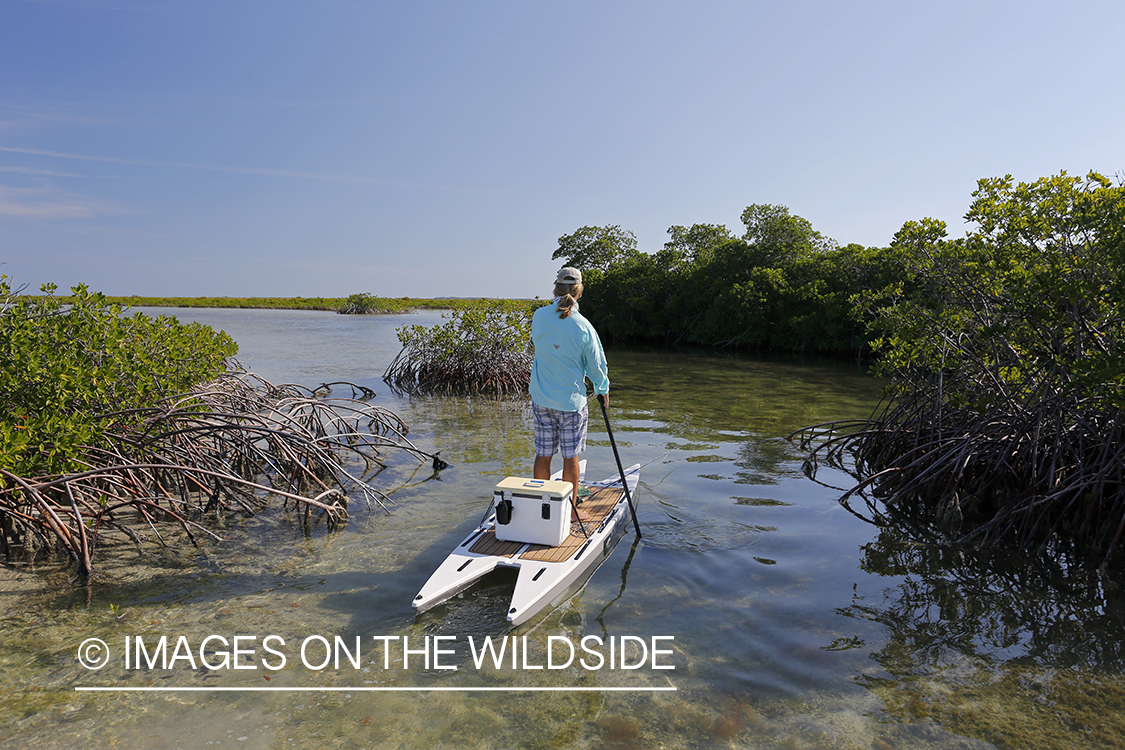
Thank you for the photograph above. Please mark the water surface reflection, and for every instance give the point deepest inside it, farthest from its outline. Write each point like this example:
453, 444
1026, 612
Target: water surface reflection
795, 624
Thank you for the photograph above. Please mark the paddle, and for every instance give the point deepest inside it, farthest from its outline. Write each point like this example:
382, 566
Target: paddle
620, 469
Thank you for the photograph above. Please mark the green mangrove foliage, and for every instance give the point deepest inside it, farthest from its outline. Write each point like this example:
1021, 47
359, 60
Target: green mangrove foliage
1006, 348
72, 372
482, 348
119, 425
780, 286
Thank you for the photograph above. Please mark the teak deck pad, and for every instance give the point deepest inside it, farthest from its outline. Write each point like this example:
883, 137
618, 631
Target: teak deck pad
598, 505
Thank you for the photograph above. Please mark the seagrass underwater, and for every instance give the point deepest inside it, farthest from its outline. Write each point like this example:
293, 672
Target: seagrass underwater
792, 618
219, 653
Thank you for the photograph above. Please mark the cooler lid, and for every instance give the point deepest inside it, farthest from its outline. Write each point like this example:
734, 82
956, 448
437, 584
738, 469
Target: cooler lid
525, 486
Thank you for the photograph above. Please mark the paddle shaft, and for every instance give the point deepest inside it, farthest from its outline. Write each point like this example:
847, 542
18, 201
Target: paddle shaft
620, 469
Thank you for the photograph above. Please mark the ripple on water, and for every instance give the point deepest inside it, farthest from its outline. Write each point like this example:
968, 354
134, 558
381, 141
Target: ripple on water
788, 631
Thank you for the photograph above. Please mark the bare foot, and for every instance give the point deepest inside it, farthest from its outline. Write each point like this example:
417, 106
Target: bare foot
580, 515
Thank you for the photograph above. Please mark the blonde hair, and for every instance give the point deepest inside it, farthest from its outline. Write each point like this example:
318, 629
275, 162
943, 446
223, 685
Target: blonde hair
568, 295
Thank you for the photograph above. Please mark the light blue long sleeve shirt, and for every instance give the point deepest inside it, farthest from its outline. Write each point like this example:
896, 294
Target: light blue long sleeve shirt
567, 350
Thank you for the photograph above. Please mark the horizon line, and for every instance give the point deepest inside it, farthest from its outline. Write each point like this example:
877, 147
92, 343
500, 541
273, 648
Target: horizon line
283, 689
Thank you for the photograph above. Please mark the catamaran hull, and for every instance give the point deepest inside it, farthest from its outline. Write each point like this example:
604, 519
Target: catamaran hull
540, 583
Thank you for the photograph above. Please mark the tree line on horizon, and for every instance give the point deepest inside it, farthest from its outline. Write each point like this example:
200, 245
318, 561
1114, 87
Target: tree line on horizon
359, 303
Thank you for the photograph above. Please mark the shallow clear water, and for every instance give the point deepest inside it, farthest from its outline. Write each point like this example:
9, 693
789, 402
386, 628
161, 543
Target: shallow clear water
790, 622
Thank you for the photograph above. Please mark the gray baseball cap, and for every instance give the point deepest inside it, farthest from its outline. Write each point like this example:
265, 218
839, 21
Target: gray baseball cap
569, 275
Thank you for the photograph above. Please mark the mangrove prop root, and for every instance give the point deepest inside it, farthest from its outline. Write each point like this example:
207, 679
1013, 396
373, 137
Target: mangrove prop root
422, 370
1036, 472
228, 446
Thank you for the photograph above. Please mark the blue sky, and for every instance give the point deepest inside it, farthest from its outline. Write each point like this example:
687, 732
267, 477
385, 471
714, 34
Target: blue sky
324, 147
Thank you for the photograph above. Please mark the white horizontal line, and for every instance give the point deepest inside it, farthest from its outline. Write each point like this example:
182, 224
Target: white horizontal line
264, 689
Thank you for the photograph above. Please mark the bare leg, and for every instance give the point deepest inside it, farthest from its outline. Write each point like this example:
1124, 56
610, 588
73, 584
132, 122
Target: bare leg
542, 467
570, 474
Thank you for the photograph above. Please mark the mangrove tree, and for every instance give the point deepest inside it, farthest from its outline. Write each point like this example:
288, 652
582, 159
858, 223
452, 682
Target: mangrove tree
1007, 418
112, 424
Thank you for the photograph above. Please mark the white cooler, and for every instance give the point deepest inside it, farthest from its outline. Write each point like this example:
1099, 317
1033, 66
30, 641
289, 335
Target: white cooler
540, 510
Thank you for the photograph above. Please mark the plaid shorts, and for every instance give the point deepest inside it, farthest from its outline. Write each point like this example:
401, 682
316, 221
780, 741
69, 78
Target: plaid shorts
554, 427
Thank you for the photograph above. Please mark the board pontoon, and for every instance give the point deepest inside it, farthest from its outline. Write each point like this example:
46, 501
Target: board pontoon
545, 572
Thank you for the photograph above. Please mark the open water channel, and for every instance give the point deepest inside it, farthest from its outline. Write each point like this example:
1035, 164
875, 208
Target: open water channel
782, 620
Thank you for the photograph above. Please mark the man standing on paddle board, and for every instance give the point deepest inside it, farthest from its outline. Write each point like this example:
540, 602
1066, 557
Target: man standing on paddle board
567, 351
